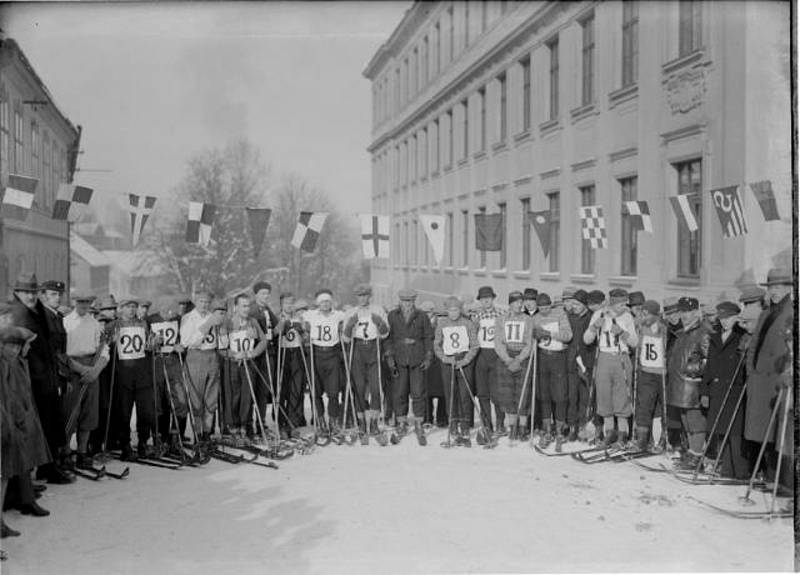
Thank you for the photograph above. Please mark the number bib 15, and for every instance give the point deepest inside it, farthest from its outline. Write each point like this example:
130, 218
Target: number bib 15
240, 342
652, 353
455, 340
486, 333
514, 331
130, 342
168, 332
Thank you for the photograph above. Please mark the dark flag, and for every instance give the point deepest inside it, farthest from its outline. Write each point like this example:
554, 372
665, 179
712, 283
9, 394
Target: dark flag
729, 210
541, 223
489, 232
766, 199
257, 222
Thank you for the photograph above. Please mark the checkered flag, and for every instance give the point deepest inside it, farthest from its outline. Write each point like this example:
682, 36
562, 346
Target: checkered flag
593, 226
639, 212
309, 226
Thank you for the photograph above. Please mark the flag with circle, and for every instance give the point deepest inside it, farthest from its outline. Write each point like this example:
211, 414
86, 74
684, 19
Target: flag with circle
541, 223
434, 231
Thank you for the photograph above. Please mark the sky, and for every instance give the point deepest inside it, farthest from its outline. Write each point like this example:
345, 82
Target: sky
152, 84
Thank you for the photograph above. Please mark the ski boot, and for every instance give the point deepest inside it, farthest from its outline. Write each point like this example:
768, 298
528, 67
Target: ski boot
545, 439
689, 462
609, 439
127, 454
462, 436
559, 443
573, 433
622, 441
380, 435
420, 433
363, 435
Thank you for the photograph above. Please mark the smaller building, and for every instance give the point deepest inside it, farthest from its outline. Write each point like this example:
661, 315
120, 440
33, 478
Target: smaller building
138, 272
90, 270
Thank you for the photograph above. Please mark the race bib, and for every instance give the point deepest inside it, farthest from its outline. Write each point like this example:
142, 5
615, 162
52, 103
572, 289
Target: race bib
130, 342
549, 343
365, 329
514, 331
168, 332
240, 342
292, 339
455, 340
210, 340
325, 330
486, 333
652, 352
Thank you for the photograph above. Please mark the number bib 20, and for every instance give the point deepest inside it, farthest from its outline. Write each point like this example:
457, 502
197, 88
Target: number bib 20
130, 343
486, 333
455, 340
240, 342
514, 331
168, 332
652, 352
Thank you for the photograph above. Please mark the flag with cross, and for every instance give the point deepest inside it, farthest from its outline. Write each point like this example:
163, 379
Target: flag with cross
140, 209
374, 235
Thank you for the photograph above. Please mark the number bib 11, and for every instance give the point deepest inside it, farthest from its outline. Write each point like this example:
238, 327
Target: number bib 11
652, 353
515, 331
130, 342
240, 342
168, 332
486, 333
455, 340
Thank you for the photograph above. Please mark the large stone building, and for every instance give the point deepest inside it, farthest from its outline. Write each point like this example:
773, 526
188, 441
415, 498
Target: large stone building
36, 140
514, 107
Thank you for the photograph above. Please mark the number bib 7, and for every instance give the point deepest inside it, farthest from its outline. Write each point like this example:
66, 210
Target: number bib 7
365, 330
168, 332
652, 353
325, 331
486, 333
455, 340
130, 342
240, 342
514, 331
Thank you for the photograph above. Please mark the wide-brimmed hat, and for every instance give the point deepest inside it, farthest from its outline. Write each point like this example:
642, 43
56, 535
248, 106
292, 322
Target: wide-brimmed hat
778, 276
26, 282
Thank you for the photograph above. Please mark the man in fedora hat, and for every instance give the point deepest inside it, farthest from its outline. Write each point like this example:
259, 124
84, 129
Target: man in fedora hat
485, 365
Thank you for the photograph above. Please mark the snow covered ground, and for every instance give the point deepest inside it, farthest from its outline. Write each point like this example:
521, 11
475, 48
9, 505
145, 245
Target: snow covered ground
396, 509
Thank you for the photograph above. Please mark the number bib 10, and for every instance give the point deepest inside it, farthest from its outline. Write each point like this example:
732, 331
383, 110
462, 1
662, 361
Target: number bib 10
168, 332
130, 342
486, 333
455, 340
515, 331
240, 342
652, 353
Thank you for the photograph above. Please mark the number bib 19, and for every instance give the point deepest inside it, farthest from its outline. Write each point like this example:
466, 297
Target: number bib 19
240, 341
652, 353
455, 340
486, 333
325, 330
130, 342
168, 332
515, 331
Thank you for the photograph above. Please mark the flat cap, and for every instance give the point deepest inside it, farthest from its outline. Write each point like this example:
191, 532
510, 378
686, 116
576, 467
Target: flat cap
652, 307
728, 309
688, 304
219, 304
595, 297
777, 276
568, 293
107, 302
670, 304
53, 285
452, 302
515, 295
751, 293
184, 299
128, 300
258, 286
636, 298
581, 296
617, 295
83, 297
530, 293
486, 291
363, 289
16, 334
407, 294
26, 282
543, 299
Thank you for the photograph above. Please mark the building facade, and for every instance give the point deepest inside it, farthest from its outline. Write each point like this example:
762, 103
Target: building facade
514, 107
36, 140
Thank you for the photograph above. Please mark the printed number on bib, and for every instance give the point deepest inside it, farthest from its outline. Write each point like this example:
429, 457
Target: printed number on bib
130, 344
366, 330
455, 340
240, 342
651, 354
325, 334
515, 331
486, 333
167, 331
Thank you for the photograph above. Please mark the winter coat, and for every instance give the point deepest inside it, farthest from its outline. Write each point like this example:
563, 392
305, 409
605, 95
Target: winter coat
765, 361
723, 363
269, 329
577, 347
40, 357
685, 365
409, 342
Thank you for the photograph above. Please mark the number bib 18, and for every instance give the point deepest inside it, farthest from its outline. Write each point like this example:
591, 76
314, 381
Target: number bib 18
652, 353
515, 331
168, 332
455, 340
486, 333
325, 330
240, 342
130, 342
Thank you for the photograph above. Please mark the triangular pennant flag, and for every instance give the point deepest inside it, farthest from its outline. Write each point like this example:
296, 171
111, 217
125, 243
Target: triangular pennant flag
729, 210
140, 210
639, 212
593, 226
434, 230
309, 226
489, 232
201, 218
18, 196
257, 222
374, 235
683, 211
766, 199
541, 223
70, 202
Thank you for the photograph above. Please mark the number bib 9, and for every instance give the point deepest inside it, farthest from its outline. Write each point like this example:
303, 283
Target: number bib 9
240, 341
292, 339
652, 353
325, 330
455, 340
168, 332
130, 343
514, 331
486, 333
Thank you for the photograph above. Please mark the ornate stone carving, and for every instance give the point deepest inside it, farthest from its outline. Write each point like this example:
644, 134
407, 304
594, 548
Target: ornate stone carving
685, 90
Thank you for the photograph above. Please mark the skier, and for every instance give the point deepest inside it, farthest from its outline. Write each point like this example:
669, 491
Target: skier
268, 362
433, 378
651, 370
485, 366
580, 362
293, 367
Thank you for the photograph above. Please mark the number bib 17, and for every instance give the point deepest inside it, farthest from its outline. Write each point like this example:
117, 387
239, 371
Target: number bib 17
486, 333
240, 342
130, 343
652, 353
514, 331
455, 340
168, 332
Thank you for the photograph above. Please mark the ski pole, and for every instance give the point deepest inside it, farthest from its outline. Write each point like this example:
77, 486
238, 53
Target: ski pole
173, 412
110, 398
347, 385
380, 378
450, 417
192, 420
313, 383
721, 448
259, 421
475, 402
157, 436
271, 385
787, 402
525, 381
746, 498
534, 379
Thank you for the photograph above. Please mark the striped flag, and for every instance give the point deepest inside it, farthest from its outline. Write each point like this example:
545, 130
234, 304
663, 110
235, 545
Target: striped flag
18, 196
729, 210
433, 224
639, 212
593, 226
309, 226
683, 210
374, 235
140, 210
201, 218
71, 201
766, 199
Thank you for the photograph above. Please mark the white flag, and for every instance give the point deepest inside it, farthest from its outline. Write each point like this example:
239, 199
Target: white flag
374, 235
434, 229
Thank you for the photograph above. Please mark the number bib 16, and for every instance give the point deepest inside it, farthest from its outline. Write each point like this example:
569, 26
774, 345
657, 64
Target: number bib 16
168, 332
240, 342
325, 331
130, 342
652, 353
455, 340
486, 333
515, 331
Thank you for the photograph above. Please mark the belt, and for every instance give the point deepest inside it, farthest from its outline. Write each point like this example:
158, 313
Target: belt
614, 352
364, 341
194, 349
82, 356
551, 351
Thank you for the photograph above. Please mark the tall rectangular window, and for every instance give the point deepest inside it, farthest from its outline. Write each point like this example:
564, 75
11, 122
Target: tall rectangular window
397, 91
587, 252
406, 82
397, 166
47, 170
690, 181
451, 254
526, 93
554, 230
19, 147
406, 163
628, 193
466, 24
425, 61
451, 20
690, 27
482, 126
415, 259
630, 42
415, 71
450, 141
436, 145
553, 48
412, 156
437, 42
526, 233
406, 250
484, 15
465, 128
465, 238
504, 237
423, 152
5, 134
482, 210
587, 55
501, 79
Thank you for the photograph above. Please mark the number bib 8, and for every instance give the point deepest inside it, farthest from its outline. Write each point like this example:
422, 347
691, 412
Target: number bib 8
130, 343
455, 340
652, 353
168, 332
515, 331
486, 333
240, 341
325, 331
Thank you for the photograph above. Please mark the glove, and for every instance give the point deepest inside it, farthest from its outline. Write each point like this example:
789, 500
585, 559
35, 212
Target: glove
598, 323
376, 319
391, 363
704, 401
615, 329
426, 363
541, 333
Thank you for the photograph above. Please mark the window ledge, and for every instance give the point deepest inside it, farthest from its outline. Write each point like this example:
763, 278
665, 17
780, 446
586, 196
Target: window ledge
583, 278
583, 112
522, 274
501, 273
423, 179
683, 61
463, 162
463, 271
397, 266
448, 168
435, 174
479, 155
436, 270
523, 136
685, 282
627, 281
549, 126
499, 146
480, 272
623, 95
449, 269
550, 276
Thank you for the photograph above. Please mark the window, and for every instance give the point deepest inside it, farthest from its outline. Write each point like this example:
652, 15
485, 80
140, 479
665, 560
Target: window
397, 166
415, 259
19, 148
555, 229
629, 236
397, 91
406, 82
553, 47
450, 142
405, 163
587, 53
587, 252
451, 255
5, 134
436, 146
398, 254
484, 15
690, 181
630, 42
465, 128
412, 157
504, 237
466, 24
47, 169
437, 43
452, 22
406, 250
423, 152
526, 233
465, 238
415, 72
425, 67
35, 166
482, 210
482, 127
690, 30
526, 93
501, 79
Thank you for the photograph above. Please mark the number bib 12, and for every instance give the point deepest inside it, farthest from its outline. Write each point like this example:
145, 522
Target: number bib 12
515, 331
455, 340
130, 342
168, 332
240, 342
486, 333
652, 353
